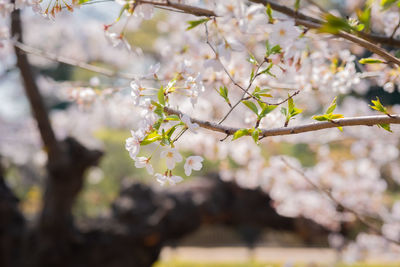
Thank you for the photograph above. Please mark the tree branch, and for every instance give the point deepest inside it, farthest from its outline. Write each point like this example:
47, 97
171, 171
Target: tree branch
50, 56
32, 91
196, 11
362, 39
311, 127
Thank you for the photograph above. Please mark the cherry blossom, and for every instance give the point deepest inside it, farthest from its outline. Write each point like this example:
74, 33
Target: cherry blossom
133, 143
143, 162
193, 163
191, 126
170, 179
172, 156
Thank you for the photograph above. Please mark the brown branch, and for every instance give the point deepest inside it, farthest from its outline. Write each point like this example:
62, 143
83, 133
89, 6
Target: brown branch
50, 56
364, 40
32, 91
196, 11
311, 127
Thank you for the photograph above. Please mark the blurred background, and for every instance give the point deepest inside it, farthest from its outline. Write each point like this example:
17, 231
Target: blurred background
206, 221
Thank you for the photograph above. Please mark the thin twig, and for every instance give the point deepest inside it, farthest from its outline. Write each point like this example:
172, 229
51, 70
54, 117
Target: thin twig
328, 193
44, 54
395, 30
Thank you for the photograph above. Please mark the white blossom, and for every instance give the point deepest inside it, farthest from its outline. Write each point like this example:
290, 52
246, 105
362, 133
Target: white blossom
171, 156
143, 162
191, 126
193, 163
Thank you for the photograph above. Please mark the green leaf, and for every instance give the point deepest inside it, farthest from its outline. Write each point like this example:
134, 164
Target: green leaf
195, 23
255, 135
261, 92
295, 111
154, 103
334, 116
265, 110
170, 131
267, 70
385, 126
223, 91
251, 106
297, 5
252, 59
159, 111
335, 24
386, 4
158, 123
161, 96
364, 16
370, 61
332, 107
359, 27
239, 133
173, 117
269, 13
320, 118
271, 50
150, 138
290, 104
378, 106
164, 139
284, 111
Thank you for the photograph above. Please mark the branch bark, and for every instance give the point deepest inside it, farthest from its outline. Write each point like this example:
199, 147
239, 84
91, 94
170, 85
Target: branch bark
311, 127
32, 92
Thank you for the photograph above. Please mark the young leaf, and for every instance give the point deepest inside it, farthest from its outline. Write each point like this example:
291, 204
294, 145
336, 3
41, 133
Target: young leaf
284, 111
385, 126
271, 50
251, 106
239, 133
161, 96
223, 91
335, 24
252, 59
150, 138
320, 118
332, 107
261, 92
370, 61
255, 135
195, 23
297, 5
378, 106
269, 13
290, 104
364, 16
172, 117
265, 110
386, 4
334, 116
